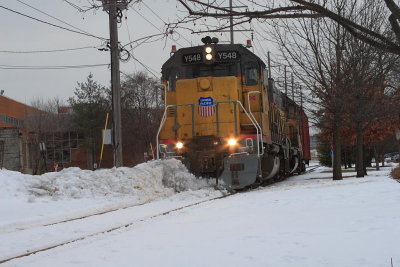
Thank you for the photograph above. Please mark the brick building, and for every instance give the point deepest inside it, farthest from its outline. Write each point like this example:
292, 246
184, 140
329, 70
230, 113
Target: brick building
33, 141
14, 139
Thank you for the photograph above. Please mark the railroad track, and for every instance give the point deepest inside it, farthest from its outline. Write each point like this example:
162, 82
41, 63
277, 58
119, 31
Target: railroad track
58, 225
23, 227
313, 168
91, 214
283, 178
46, 228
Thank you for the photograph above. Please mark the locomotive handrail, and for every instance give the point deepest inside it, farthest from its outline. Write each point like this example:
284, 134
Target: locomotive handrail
164, 118
255, 126
251, 113
159, 130
253, 121
238, 154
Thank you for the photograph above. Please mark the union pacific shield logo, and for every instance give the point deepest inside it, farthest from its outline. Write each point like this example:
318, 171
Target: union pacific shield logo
206, 106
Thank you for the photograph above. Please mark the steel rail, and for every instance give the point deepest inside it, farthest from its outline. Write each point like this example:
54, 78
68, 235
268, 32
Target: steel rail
112, 229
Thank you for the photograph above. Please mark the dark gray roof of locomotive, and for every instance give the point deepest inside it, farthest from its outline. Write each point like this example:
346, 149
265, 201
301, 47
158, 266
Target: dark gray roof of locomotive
176, 58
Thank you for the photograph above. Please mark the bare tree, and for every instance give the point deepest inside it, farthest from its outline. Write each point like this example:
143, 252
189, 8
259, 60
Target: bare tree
315, 50
386, 38
366, 102
46, 121
141, 98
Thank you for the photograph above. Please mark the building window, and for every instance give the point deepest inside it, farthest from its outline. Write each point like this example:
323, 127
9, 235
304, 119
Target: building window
59, 146
10, 120
74, 139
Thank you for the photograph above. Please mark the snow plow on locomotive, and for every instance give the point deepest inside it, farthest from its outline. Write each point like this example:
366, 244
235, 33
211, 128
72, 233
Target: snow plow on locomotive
225, 119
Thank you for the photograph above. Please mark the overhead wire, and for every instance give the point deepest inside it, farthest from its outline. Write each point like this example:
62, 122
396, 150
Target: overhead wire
51, 24
143, 39
47, 51
152, 11
41, 11
74, 6
20, 67
155, 26
129, 37
141, 63
146, 67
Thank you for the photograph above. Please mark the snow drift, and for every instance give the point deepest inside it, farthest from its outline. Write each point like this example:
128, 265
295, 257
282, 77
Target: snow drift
155, 179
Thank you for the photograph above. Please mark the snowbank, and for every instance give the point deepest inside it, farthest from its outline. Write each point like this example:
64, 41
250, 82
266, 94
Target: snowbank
154, 179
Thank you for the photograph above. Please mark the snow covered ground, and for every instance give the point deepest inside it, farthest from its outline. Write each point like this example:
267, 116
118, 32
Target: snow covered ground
306, 220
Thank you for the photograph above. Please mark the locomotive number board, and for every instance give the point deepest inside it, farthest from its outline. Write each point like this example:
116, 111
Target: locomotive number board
225, 56
220, 56
192, 58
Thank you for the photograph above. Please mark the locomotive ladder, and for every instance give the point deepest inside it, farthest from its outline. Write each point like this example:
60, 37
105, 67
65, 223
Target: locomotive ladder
235, 103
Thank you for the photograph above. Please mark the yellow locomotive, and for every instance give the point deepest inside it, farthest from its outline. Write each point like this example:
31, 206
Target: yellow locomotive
224, 118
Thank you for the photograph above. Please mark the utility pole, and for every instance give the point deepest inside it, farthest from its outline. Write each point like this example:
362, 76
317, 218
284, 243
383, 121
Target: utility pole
115, 85
231, 21
112, 6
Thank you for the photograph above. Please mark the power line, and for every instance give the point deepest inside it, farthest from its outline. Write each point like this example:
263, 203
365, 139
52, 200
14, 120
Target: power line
74, 6
131, 49
129, 37
152, 11
150, 70
46, 51
15, 67
51, 24
155, 26
52, 16
143, 38
146, 67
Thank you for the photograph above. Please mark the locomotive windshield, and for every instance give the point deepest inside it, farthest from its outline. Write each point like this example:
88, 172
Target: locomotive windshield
251, 73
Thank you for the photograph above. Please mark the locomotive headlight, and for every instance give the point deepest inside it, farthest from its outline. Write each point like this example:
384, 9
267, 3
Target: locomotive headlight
232, 142
209, 53
179, 145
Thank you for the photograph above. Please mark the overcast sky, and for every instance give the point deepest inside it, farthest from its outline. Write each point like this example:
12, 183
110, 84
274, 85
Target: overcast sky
19, 34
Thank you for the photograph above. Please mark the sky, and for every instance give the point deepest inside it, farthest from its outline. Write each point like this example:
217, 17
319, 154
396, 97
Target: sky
22, 34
